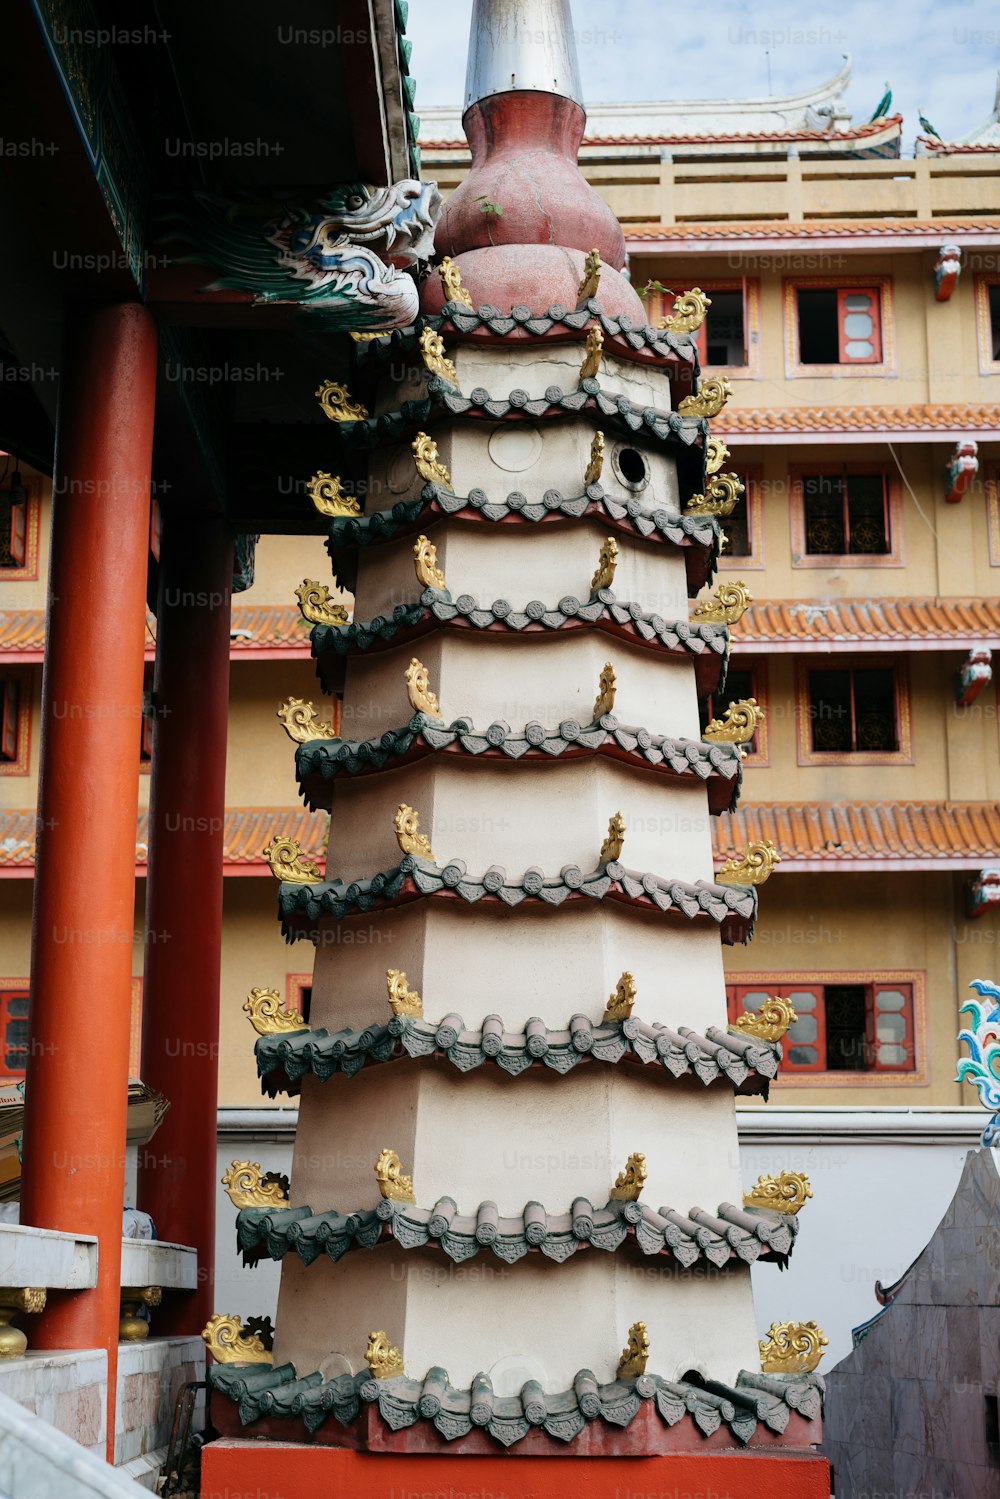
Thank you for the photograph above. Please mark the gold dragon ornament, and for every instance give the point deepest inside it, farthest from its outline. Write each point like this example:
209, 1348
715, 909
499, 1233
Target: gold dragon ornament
635, 1354
422, 699
402, 999
687, 313
301, 722
722, 495
433, 355
411, 840
792, 1348
607, 561
329, 498
752, 867
630, 1182
451, 282
619, 1005
595, 351
287, 863
606, 687
391, 1182
596, 465
716, 454
429, 575
785, 1193
383, 1360
248, 1187
229, 1344
769, 1023
591, 278
737, 725
613, 844
425, 458
315, 605
337, 404
268, 1015
727, 605
712, 396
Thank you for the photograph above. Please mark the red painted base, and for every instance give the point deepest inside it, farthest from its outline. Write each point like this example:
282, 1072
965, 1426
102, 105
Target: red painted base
235, 1469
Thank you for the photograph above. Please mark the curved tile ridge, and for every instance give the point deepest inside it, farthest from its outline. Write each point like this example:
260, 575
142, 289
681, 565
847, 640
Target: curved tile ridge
263, 1392
729, 1233
586, 399
746, 1062
436, 609
523, 324
733, 908
407, 517
320, 761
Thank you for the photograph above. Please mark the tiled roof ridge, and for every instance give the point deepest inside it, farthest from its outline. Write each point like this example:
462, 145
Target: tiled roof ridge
253, 627
921, 832
808, 228
264, 1392
832, 137
319, 761
301, 906
347, 533
917, 417
731, 1232
323, 1054
588, 399
904, 618
457, 316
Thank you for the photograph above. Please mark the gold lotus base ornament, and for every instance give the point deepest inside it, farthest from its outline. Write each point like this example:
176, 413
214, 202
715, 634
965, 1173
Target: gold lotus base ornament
606, 689
392, 1184
451, 282
595, 467
337, 404
721, 496
737, 725
635, 1354
315, 605
422, 699
302, 723
613, 844
427, 463
402, 999
727, 605
383, 1360
752, 867
229, 1344
411, 840
248, 1187
712, 396
268, 1015
769, 1023
716, 454
14, 1300
284, 855
591, 278
329, 498
619, 1006
429, 575
785, 1193
606, 563
792, 1348
434, 357
630, 1182
595, 352
131, 1327
688, 312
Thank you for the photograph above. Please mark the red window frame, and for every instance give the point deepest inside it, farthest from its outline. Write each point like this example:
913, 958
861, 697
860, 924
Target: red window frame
737, 992
10, 720
843, 312
7, 994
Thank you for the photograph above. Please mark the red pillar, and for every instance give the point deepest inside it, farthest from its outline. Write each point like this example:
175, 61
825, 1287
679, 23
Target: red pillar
84, 897
180, 1024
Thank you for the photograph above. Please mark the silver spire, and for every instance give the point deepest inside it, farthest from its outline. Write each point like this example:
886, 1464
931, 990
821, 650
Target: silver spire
522, 44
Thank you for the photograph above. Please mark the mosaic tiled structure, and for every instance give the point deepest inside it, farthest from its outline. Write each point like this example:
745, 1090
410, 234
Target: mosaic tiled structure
553, 862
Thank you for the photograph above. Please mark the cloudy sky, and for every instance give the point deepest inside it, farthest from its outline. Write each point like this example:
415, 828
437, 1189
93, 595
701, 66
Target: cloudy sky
940, 58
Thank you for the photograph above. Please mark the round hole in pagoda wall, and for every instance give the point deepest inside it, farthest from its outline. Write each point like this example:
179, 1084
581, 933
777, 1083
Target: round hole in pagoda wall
631, 468
515, 448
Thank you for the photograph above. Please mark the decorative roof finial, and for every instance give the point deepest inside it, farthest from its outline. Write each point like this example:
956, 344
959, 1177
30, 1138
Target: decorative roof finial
522, 44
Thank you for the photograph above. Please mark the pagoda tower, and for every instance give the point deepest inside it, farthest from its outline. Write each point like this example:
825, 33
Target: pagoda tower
515, 1220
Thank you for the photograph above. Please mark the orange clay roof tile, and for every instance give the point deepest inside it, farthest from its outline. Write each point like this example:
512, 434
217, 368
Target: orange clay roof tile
254, 628
917, 418
954, 623
958, 834
814, 229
